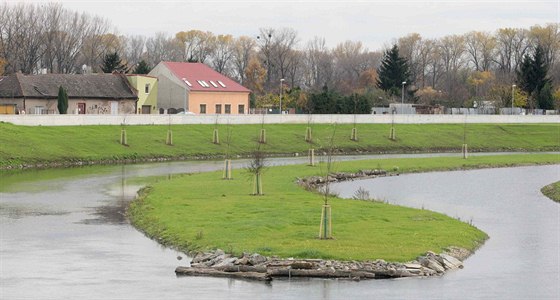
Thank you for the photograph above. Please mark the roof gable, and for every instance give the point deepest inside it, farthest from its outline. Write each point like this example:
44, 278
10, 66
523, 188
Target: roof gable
201, 78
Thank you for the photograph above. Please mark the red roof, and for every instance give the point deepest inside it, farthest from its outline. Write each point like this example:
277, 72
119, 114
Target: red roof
201, 78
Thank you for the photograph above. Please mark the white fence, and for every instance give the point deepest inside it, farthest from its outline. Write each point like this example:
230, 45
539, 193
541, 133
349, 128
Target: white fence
66, 120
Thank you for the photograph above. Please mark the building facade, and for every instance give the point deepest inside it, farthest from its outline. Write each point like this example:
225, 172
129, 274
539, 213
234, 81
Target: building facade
147, 87
87, 94
197, 88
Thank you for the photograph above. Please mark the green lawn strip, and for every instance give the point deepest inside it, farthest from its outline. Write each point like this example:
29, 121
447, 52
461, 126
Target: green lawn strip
201, 211
67, 144
552, 191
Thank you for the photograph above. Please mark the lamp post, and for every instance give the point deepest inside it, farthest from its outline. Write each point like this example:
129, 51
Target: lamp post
281, 91
512, 96
402, 97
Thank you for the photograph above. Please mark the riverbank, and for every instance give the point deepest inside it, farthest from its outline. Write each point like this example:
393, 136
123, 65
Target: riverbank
51, 146
285, 221
552, 191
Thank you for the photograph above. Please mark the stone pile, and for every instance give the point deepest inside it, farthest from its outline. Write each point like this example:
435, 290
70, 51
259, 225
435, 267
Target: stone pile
257, 267
315, 181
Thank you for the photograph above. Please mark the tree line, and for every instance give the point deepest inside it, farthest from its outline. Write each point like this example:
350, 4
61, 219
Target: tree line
454, 70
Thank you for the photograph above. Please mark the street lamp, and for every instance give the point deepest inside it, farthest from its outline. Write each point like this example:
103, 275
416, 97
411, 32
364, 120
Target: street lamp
512, 96
402, 97
281, 91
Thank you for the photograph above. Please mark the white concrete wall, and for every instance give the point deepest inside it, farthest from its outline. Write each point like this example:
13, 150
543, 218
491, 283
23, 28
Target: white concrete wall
65, 120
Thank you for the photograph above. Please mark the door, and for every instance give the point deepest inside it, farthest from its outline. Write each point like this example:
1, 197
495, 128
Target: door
146, 109
81, 108
8, 109
114, 107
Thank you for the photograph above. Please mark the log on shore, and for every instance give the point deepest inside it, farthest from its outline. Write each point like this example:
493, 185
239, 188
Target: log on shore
285, 272
188, 271
242, 268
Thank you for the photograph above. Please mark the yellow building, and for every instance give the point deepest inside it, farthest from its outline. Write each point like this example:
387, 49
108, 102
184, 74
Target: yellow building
147, 87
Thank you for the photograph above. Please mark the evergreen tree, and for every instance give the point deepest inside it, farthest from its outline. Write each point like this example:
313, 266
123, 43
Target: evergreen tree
393, 72
142, 68
545, 99
112, 62
532, 78
324, 103
62, 101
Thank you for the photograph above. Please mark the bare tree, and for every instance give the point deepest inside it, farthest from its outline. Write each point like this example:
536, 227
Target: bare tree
275, 47
96, 42
480, 47
350, 61
410, 47
243, 51
511, 45
451, 49
133, 48
221, 57
318, 64
160, 47
22, 31
197, 44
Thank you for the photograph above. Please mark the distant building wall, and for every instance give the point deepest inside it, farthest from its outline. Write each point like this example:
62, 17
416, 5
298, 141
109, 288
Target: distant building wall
72, 119
75, 106
145, 100
210, 99
172, 93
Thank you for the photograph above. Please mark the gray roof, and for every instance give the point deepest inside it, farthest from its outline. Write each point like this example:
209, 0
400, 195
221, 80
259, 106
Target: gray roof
98, 86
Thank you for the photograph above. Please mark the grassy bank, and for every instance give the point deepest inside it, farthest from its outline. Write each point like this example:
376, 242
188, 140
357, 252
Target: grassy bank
552, 191
185, 213
22, 145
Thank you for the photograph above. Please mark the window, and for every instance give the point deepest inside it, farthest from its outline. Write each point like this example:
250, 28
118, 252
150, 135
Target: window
213, 83
228, 108
202, 108
187, 82
204, 84
218, 108
221, 83
241, 109
147, 88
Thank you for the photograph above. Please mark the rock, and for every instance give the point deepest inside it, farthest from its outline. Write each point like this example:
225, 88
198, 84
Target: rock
256, 259
226, 262
303, 265
459, 253
451, 262
434, 265
242, 261
413, 266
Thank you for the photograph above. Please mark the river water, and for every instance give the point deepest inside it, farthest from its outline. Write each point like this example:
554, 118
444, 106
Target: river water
63, 235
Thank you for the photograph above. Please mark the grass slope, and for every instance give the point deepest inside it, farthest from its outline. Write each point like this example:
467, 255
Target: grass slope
201, 211
67, 144
552, 191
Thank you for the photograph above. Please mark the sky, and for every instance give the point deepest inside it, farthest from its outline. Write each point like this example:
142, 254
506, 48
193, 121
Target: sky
377, 24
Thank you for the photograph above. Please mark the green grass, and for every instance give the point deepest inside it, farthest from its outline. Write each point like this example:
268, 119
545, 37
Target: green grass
552, 191
48, 145
201, 211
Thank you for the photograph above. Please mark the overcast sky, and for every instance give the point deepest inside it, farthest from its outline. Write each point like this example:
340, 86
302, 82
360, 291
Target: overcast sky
375, 23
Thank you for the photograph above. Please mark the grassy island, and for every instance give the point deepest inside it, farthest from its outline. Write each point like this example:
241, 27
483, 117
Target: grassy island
202, 211
552, 191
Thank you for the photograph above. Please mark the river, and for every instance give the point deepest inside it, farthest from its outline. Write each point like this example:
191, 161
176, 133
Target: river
63, 235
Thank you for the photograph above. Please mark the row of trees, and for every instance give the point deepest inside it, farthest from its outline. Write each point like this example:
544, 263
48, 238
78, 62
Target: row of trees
453, 70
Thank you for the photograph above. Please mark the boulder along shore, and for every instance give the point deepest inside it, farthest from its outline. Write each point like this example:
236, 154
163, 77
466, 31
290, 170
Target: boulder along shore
261, 268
